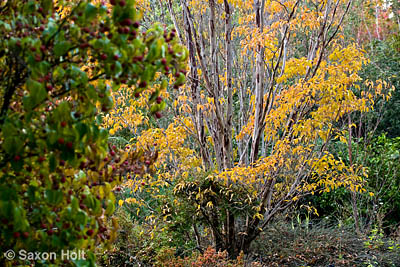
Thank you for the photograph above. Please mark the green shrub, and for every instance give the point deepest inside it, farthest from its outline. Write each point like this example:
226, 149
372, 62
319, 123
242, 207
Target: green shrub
59, 62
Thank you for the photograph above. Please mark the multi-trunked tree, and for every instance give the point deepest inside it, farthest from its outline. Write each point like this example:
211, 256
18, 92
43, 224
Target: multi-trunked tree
271, 85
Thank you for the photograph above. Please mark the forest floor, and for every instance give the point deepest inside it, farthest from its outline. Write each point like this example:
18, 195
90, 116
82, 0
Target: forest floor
317, 244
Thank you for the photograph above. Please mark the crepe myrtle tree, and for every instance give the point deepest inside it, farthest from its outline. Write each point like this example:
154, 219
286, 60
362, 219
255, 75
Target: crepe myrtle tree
59, 62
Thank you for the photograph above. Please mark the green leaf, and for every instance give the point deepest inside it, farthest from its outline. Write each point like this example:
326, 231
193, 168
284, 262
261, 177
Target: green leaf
17, 217
58, 73
74, 204
100, 43
82, 129
157, 107
5, 25
81, 263
17, 165
47, 5
164, 85
79, 74
62, 112
29, 7
90, 11
61, 48
110, 207
6, 209
9, 129
12, 144
148, 73
154, 96
53, 197
103, 134
185, 55
44, 67
154, 52
37, 94
52, 163
118, 68
181, 79
115, 86
32, 193
56, 241
28, 103
154, 108
81, 218
162, 105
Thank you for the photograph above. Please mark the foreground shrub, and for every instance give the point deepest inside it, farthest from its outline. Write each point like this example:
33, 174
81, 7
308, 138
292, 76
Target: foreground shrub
59, 62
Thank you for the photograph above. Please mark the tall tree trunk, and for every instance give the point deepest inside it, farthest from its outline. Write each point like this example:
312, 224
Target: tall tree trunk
230, 221
259, 103
353, 193
198, 118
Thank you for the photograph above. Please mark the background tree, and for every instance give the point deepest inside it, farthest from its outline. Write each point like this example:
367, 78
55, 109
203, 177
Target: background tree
373, 25
273, 89
271, 85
